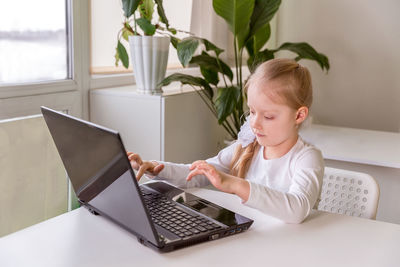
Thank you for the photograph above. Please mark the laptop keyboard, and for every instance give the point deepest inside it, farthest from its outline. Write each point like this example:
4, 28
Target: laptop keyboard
165, 214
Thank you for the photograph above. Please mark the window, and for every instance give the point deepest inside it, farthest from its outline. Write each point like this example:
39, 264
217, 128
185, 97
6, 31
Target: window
44, 57
34, 41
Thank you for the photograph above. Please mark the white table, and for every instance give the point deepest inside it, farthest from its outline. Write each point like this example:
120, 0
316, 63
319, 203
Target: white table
374, 152
355, 145
79, 238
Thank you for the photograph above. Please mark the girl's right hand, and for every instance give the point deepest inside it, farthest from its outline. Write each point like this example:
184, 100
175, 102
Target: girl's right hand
150, 167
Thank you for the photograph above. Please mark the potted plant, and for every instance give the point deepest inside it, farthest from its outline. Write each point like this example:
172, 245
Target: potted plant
249, 21
149, 52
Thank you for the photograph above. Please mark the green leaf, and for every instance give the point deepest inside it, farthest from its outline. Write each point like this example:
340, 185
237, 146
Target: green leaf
129, 7
250, 47
306, 51
161, 13
210, 75
123, 55
210, 46
146, 9
242, 37
128, 27
146, 26
172, 30
116, 56
264, 11
257, 41
174, 41
188, 79
261, 37
236, 13
259, 58
206, 61
186, 49
126, 33
226, 102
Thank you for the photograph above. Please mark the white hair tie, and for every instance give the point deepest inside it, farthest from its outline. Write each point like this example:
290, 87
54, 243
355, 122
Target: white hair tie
246, 135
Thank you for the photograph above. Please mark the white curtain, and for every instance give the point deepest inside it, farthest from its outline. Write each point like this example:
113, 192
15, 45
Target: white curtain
207, 24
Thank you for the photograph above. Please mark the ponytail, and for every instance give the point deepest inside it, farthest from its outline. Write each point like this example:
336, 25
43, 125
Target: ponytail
242, 158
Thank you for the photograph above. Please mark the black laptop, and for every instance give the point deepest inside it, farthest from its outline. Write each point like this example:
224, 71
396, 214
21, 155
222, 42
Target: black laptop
160, 215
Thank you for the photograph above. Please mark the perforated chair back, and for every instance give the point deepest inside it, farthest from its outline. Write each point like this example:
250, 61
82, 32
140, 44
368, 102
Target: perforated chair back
348, 192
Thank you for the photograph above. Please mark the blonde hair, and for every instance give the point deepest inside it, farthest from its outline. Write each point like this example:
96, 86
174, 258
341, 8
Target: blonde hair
296, 92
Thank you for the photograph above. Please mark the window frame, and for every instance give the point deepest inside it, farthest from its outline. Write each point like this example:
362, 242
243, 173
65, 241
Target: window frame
22, 99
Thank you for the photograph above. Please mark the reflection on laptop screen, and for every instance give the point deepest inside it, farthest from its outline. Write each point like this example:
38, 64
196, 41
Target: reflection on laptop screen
99, 154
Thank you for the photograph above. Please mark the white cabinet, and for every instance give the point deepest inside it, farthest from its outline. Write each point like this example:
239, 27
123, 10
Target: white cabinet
175, 126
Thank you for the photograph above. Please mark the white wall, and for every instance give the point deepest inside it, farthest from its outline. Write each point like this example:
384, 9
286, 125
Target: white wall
362, 40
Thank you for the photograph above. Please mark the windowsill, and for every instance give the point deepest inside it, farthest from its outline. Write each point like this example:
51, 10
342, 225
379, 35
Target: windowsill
98, 81
130, 90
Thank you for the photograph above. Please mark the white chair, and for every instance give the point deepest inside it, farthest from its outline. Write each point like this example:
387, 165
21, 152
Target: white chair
348, 192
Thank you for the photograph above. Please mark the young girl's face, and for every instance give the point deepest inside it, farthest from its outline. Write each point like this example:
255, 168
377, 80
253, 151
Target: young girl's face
274, 124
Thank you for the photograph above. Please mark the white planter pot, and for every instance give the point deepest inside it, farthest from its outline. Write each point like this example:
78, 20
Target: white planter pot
149, 57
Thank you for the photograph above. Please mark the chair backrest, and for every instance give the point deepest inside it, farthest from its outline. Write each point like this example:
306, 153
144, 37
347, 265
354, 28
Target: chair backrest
348, 192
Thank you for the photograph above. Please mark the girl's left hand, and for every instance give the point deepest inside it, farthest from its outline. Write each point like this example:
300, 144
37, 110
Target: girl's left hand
222, 181
215, 177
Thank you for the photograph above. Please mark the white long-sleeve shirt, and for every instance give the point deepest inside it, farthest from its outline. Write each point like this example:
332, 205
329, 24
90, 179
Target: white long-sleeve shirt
286, 187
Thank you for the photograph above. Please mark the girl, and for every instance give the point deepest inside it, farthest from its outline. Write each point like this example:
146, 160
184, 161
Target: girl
269, 167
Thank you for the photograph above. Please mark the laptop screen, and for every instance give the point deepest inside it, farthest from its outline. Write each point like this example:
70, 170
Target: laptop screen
100, 172
90, 155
